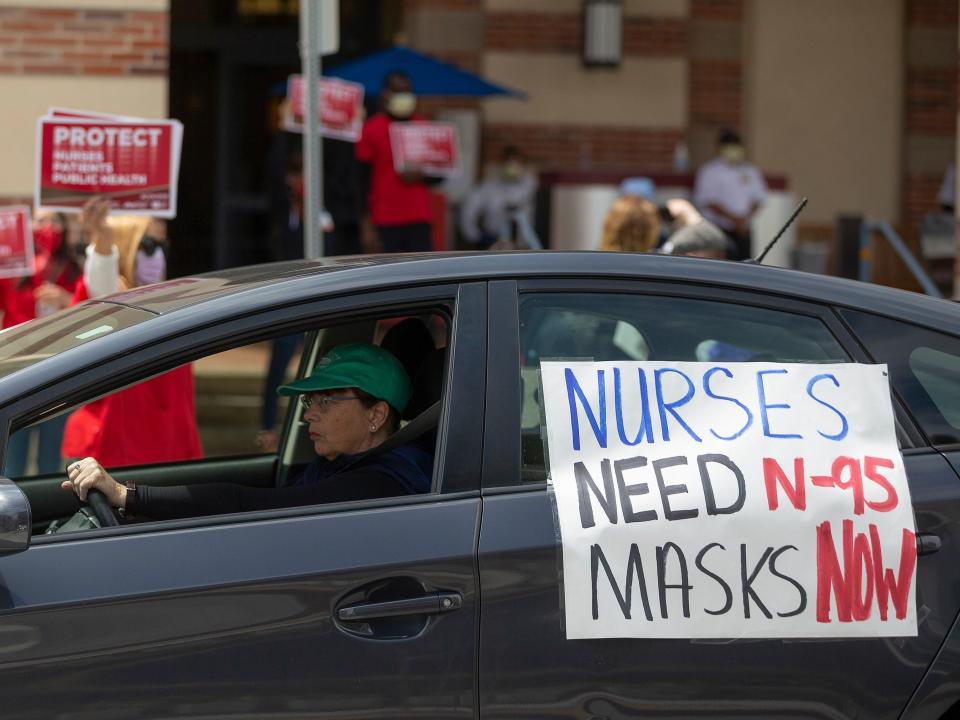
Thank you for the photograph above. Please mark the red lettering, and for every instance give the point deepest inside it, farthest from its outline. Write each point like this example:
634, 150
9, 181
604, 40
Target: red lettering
897, 588
862, 564
773, 474
855, 482
870, 465
863, 576
829, 575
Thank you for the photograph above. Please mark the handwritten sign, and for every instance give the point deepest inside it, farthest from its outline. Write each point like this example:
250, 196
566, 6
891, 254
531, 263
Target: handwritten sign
429, 147
16, 242
740, 500
340, 107
132, 163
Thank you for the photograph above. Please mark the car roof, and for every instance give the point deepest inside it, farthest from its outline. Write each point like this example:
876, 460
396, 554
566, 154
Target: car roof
349, 274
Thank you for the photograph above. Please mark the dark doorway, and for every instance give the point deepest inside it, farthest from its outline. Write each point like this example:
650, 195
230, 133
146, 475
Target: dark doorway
229, 61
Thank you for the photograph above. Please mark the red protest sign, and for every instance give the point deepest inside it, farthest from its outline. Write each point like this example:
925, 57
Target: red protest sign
340, 104
426, 146
16, 242
133, 164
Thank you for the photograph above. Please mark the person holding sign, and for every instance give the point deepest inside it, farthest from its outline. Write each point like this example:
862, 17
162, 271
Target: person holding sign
56, 275
398, 204
154, 421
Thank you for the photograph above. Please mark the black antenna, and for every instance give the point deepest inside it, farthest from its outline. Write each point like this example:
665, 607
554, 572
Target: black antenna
793, 216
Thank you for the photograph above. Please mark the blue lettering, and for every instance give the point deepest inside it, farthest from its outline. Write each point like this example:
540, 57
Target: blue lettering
599, 426
764, 407
844, 425
706, 388
646, 428
669, 407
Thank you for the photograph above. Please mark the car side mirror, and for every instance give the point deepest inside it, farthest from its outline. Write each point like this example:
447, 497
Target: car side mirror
15, 518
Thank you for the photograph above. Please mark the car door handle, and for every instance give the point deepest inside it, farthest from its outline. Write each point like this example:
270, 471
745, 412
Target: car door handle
430, 604
927, 543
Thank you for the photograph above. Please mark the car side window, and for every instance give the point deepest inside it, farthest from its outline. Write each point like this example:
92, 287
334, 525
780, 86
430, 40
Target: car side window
202, 422
607, 326
924, 368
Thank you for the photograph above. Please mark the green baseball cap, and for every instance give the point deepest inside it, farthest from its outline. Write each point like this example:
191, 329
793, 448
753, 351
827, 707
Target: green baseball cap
366, 367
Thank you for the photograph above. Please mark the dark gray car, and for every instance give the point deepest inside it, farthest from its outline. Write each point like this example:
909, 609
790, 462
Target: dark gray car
445, 604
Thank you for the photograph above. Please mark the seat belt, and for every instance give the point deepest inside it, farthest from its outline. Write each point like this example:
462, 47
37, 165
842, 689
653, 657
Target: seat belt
423, 422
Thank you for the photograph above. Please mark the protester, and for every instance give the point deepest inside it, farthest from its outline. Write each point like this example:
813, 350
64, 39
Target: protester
57, 272
352, 403
632, 224
155, 420
729, 191
399, 209
502, 206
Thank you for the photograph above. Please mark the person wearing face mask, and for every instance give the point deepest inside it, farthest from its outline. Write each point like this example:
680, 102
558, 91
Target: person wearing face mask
398, 213
56, 275
155, 420
729, 191
501, 208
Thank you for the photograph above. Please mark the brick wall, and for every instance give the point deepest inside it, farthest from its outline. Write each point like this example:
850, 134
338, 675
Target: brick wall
715, 81
563, 32
930, 102
83, 42
585, 148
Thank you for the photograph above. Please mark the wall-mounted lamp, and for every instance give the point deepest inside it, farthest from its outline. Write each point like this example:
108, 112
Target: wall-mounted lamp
602, 32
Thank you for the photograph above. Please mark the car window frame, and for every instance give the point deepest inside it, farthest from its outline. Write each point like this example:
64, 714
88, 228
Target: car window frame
464, 388
502, 450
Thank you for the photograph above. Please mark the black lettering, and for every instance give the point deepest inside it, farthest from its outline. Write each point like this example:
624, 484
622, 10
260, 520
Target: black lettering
625, 599
667, 490
798, 586
685, 587
607, 499
747, 582
626, 491
707, 482
728, 594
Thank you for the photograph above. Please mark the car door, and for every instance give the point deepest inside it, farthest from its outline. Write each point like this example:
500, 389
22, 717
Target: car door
356, 610
527, 666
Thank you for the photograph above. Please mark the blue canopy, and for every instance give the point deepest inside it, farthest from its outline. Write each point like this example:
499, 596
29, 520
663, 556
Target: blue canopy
429, 76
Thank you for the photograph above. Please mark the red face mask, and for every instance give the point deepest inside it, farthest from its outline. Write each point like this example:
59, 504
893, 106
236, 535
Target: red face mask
47, 239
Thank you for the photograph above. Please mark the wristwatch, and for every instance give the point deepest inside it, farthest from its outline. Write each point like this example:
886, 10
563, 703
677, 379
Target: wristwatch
130, 504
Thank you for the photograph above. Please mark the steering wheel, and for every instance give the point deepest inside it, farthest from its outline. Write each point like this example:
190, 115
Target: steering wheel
101, 508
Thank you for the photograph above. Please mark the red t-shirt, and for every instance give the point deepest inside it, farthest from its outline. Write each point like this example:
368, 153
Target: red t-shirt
151, 422
391, 201
16, 296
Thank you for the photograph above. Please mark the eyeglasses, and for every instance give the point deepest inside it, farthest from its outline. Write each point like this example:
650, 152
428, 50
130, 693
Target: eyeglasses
322, 403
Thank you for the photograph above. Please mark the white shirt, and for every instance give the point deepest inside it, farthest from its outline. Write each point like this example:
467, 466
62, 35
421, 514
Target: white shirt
735, 188
101, 273
488, 208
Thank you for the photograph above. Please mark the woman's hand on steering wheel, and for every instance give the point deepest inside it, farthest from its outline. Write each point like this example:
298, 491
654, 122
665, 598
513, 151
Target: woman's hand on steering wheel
88, 474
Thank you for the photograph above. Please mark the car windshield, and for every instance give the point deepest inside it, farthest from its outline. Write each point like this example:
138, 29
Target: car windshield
29, 343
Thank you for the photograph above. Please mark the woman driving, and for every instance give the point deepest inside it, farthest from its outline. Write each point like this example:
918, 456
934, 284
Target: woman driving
352, 403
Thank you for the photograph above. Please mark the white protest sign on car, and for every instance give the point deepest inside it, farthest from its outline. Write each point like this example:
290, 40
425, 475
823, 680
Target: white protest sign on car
740, 500
16, 242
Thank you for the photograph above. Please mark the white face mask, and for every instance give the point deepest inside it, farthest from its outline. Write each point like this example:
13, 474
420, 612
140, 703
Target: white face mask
402, 104
150, 268
733, 154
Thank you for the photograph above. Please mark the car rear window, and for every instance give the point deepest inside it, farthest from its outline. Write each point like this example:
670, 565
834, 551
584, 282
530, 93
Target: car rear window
30, 342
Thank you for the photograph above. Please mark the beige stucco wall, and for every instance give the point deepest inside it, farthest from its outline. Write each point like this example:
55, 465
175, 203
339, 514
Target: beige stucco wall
30, 96
824, 88
641, 92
